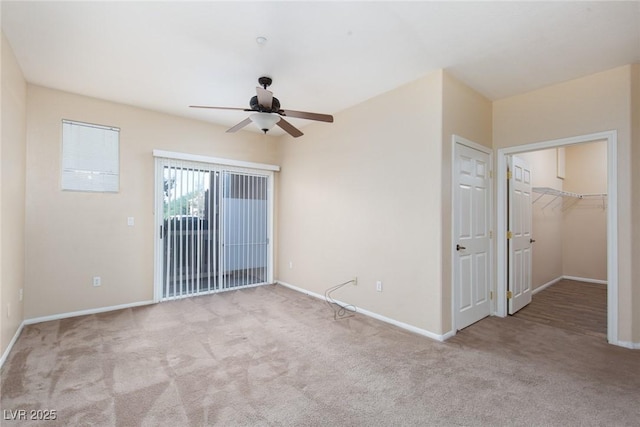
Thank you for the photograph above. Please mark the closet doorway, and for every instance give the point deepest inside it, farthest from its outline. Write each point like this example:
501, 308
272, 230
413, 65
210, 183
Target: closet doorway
574, 220
569, 231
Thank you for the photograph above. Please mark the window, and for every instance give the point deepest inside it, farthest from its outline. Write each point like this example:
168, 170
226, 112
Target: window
90, 157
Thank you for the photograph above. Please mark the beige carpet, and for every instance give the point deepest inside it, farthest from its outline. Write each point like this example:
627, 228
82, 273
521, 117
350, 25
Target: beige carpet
269, 356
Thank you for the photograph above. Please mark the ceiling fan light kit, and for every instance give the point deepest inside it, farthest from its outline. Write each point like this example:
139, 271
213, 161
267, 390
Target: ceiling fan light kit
265, 121
267, 112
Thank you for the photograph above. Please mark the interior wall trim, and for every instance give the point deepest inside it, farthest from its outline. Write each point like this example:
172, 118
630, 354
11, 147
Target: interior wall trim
585, 279
557, 279
546, 285
629, 345
405, 326
5, 355
59, 316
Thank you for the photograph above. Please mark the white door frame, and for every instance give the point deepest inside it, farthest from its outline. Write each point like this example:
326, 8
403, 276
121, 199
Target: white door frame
455, 139
612, 220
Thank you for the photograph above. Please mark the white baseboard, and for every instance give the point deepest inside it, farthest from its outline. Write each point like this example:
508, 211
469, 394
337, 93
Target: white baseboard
377, 316
577, 279
85, 312
11, 343
628, 344
585, 279
546, 285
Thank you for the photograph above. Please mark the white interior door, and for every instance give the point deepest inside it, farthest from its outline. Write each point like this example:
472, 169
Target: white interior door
519, 235
471, 239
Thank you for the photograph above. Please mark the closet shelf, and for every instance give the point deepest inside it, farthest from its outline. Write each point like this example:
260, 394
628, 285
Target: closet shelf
544, 191
553, 192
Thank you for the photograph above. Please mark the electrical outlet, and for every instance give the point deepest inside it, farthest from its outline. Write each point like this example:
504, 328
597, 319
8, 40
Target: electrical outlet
290, 264
97, 281
379, 286
8, 310
131, 221
20, 294
355, 280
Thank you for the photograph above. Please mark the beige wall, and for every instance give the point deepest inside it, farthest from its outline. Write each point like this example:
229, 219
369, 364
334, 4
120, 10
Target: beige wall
547, 220
370, 196
584, 249
591, 104
466, 113
12, 195
73, 236
361, 197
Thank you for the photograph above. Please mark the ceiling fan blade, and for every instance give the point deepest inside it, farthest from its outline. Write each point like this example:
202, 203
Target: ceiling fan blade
218, 108
289, 128
265, 97
239, 125
305, 115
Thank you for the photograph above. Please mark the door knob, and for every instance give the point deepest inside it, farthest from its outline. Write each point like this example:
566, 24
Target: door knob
532, 240
458, 247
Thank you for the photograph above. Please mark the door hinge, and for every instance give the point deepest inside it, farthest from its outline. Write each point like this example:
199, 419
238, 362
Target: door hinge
490, 174
490, 234
509, 175
491, 295
509, 235
509, 294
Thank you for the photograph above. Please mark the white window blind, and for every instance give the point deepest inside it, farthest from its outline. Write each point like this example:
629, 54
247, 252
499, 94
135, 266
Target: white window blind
90, 157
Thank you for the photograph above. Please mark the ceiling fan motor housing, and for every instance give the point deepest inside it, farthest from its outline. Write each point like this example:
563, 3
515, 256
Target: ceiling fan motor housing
255, 105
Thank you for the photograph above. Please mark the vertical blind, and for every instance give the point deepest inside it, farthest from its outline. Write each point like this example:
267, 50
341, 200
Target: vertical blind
215, 228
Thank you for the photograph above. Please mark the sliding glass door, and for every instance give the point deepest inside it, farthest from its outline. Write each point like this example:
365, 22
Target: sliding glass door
244, 229
214, 228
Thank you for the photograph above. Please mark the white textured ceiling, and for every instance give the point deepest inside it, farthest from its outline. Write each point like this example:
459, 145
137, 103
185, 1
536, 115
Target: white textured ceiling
322, 56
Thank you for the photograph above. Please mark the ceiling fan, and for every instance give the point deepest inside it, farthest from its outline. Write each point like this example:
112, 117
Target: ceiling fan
267, 112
